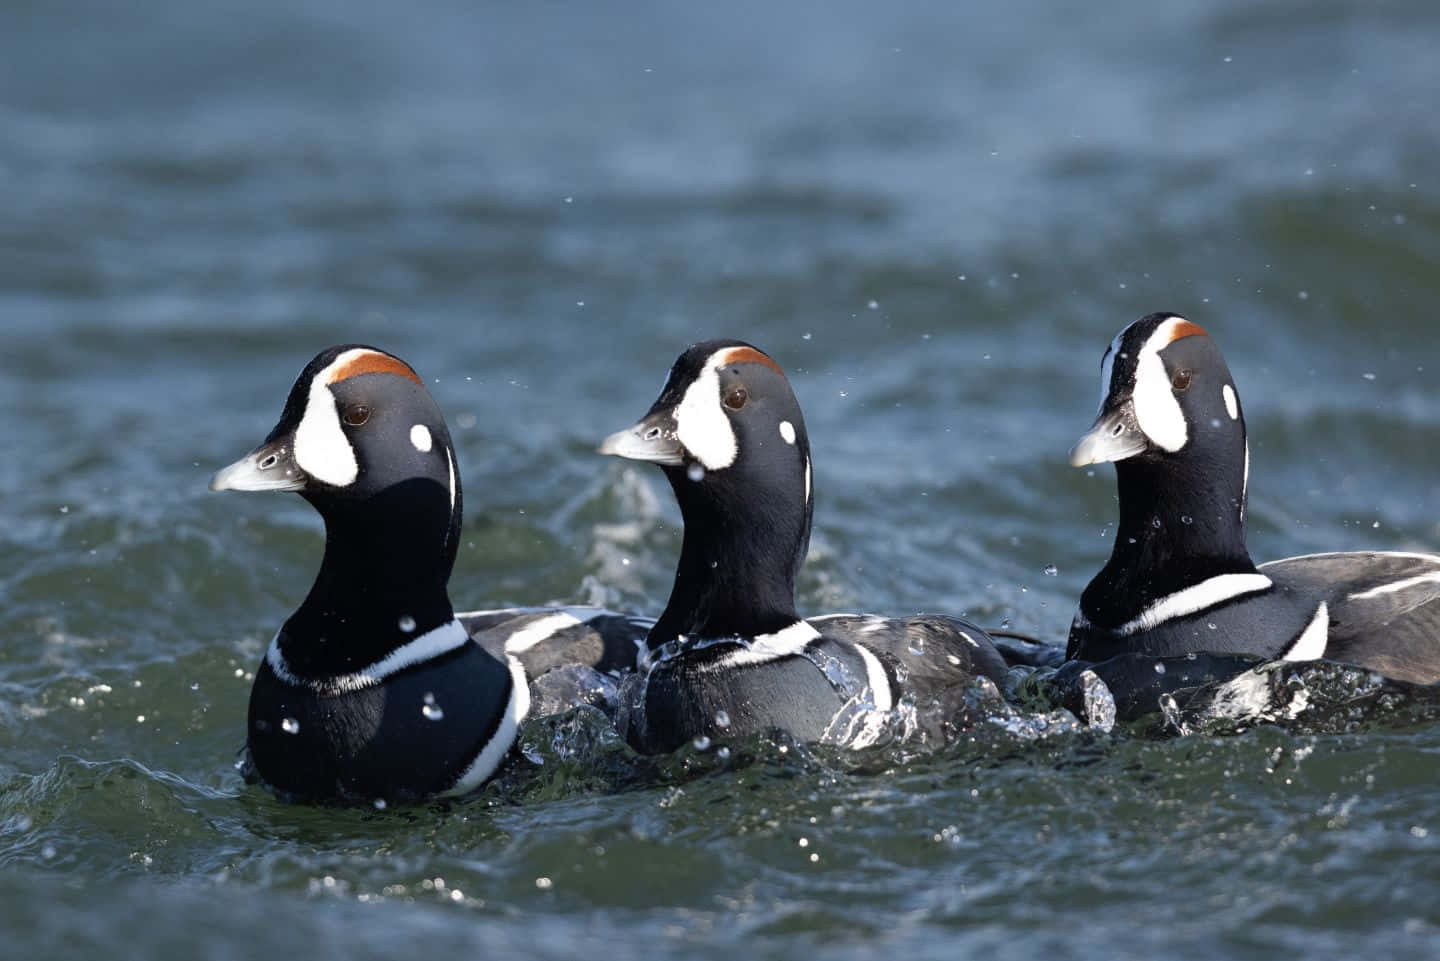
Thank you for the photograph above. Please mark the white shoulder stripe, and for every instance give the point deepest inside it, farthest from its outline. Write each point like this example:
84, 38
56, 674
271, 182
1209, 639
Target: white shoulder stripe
879, 681
1397, 586
1207, 594
517, 708
432, 644
1310, 645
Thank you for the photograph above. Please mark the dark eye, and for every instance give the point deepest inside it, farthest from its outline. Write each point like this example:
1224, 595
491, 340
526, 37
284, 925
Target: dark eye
355, 415
1181, 380
736, 397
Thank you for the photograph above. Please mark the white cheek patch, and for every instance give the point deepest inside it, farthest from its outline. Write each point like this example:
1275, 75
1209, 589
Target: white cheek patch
1156, 409
1232, 405
787, 432
420, 438
702, 426
321, 448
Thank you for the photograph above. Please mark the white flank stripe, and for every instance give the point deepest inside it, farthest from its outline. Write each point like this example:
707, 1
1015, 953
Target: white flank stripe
880, 692
490, 756
764, 648
1310, 645
537, 631
1206, 594
433, 643
1397, 586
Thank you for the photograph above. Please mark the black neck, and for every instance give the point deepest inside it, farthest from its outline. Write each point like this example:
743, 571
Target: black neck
382, 582
1182, 521
738, 562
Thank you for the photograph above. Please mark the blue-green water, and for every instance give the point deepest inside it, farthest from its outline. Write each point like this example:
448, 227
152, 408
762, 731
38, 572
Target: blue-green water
934, 216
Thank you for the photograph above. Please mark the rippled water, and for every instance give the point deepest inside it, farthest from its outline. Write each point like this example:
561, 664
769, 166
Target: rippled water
934, 217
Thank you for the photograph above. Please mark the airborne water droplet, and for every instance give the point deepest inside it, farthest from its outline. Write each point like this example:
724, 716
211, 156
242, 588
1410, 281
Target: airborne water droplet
702, 743
290, 726
1051, 570
1159, 668
1186, 519
722, 719
407, 623
431, 710
695, 472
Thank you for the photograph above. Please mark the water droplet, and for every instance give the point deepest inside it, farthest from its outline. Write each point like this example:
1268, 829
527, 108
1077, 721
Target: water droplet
1159, 668
917, 645
702, 743
432, 711
873, 305
48, 852
544, 884
1186, 519
380, 804
1005, 624
1051, 570
407, 623
723, 753
695, 472
290, 726
806, 336
722, 719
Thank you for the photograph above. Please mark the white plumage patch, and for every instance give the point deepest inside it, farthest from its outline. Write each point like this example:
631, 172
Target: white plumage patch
321, 448
490, 756
701, 424
1156, 409
764, 648
1232, 404
1206, 594
433, 643
420, 438
1310, 645
787, 432
450, 466
539, 630
1107, 367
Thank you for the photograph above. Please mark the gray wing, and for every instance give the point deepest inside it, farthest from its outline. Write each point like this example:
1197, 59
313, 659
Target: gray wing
546, 638
1384, 608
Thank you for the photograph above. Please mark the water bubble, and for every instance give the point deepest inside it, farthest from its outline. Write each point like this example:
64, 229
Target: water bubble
407, 623
695, 472
1051, 570
722, 719
702, 743
290, 726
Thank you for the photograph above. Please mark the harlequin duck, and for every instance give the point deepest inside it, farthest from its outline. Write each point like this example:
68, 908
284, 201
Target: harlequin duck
374, 688
729, 655
1180, 579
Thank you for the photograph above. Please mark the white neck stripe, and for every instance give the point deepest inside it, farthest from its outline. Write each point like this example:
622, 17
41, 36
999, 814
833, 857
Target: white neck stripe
428, 646
763, 648
1210, 593
517, 708
1310, 645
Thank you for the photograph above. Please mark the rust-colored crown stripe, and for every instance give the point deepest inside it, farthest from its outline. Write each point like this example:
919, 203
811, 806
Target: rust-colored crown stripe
1186, 329
745, 355
372, 362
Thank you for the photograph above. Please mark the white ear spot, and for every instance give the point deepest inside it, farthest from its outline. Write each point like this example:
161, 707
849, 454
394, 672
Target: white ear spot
1232, 406
1156, 409
321, 448
787, 431
420, 437
701, 425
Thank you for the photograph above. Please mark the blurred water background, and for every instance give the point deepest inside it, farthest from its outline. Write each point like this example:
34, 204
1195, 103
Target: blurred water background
934, 215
